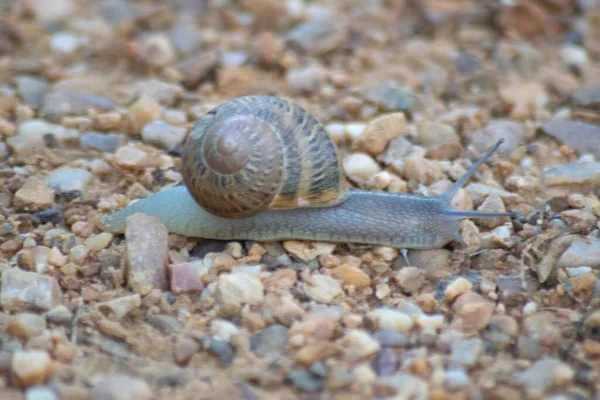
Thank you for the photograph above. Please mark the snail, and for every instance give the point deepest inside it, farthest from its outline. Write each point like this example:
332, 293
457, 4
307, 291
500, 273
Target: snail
262, 168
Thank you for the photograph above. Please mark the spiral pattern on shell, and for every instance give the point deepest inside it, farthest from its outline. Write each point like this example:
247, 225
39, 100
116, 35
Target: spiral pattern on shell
258, 152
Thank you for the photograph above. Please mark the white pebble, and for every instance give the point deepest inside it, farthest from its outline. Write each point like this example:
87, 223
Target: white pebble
360, 166
530, 308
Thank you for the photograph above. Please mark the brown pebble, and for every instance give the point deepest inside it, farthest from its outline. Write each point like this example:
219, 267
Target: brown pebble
30, 368
34, 195
352, 276
410, 279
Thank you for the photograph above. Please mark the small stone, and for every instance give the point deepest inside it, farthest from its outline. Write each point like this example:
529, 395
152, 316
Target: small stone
41, 393
121, 306
582, 286
31, 367
527, 101
165, 324
380, 131
119, 387
387, 362
306, 80
422, 170
430, 321
32, 90
317, 37
493, 203
164, 92
545, 374
223, 350
185, 277
587, 97
184, 349
321, 288
307, 251
352, 276
582, 251
163, 134
111, 328
456, 288
73, 97
383, 318
581, 136
34, 195
22, 289
60, 315
358, 345
390, 95
238, 289
579, 176
441, 140
56, 258
147, 253
26, 325
391, 338
48, 12
305, 381
103, 142
156, 50
579, 220
410, 279
466, 352
143, 111
67, 179
513, 133
360, 167
197, 68
271, 341
474, 315
98, 242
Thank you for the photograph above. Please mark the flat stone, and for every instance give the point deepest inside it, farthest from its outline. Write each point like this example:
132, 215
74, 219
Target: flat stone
119, 387
238, 289
583, 251
588, 97
104, 142
513, 133
72, 97
66, 179
185, 277
166, 324
147, 253
31, 89
29, 290
322, 288
317, 37
581, 136
271, 341
34, 195
163, 134
305, 380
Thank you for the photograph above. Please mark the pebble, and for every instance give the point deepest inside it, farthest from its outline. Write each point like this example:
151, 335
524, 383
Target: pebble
197, 68
387, 318
121, 306
526, 100
466, 352
60, 315
422, 170
584, 174
510, 289
163, 134
358, 345
410, 279
34, 195
67, 43
164, 92
391, 338
26, 325
492, 203
380, 131
185, 348
103, 142
29, 290
387, 362
360, 167
147, 253
456, 378
474, 315
30, 368
66, 179
41, 393
390, 95
31, 89
119, 387
318, 37
307, 251
98, 242
403, 386
235, 290
73, 97
270, 342
321, 288
185, 277
578, 220
353, 276
456, 288
583, 251
143, 111
581, 136
33, 135
306, 80
164, 323
51, 11
441, 140
587, 97
306, 381
545, 374
223, 350
513, 133
111, 328
157, 50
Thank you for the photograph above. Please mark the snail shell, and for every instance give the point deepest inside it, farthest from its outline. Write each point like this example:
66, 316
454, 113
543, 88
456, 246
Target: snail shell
259, 152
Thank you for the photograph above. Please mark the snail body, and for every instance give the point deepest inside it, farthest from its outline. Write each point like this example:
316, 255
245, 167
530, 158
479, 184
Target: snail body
261, 168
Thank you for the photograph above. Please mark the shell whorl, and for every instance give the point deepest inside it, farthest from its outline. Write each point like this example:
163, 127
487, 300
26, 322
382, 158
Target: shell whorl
258, 152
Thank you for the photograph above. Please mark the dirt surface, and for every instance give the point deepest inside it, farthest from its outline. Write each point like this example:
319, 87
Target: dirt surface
96, 98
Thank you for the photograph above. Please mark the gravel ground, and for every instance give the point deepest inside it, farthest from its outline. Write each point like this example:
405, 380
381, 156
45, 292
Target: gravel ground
96, 98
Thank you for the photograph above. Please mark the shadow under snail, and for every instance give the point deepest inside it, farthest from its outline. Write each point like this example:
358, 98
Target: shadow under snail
262, 168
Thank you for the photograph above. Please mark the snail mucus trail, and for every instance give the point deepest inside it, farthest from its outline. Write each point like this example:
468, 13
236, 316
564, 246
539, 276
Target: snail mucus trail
282, 140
